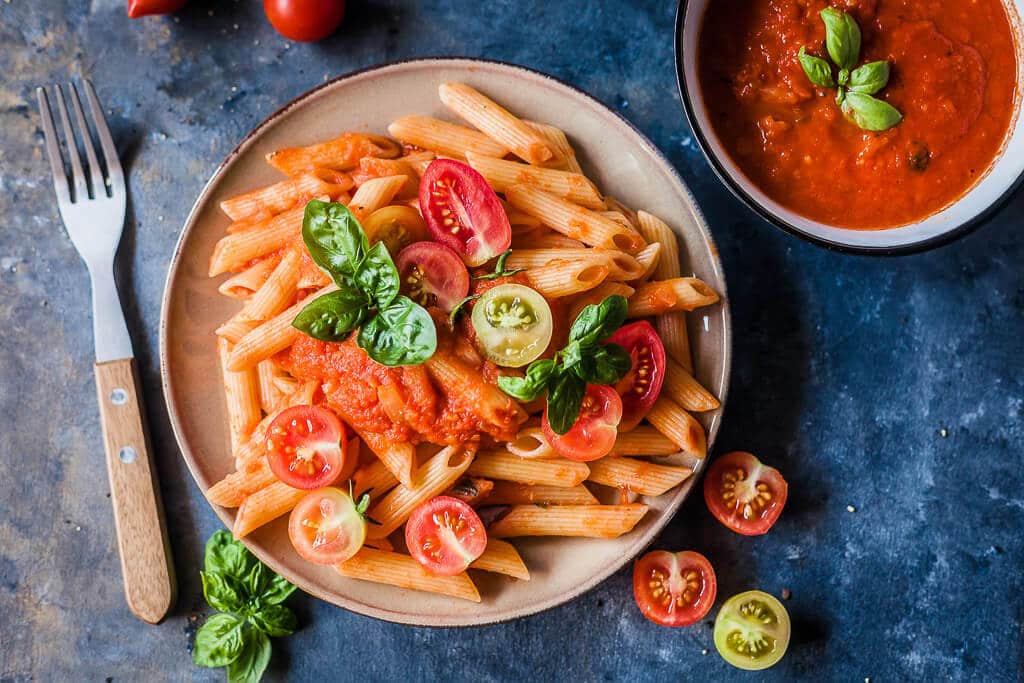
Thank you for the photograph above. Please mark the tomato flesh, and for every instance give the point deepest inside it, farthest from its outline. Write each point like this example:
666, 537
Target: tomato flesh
142, 8
433, 275
445, 535
304, 447
674, 589
325, 527
744, 494
593, 434
463, 212
640, 387
752, 630
513, 324
396, 226
304, 20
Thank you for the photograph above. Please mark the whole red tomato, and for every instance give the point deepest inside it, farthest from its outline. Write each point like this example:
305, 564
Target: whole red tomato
141, 8
305, 21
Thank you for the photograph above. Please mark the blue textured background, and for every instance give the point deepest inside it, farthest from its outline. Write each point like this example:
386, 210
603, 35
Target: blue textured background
893, 386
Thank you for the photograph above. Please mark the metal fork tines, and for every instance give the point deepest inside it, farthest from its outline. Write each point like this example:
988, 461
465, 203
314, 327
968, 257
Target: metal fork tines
92, 200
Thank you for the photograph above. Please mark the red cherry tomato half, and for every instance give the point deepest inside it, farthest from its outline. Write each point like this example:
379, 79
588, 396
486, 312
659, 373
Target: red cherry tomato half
142, 8
445, 535
640, 387
594, 433
744, 494
433, 275
304, 20
463, 212
326, 527
674, 589
304, 447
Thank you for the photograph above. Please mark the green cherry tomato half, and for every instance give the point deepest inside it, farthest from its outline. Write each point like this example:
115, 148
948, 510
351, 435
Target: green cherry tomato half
513, 324
752, 630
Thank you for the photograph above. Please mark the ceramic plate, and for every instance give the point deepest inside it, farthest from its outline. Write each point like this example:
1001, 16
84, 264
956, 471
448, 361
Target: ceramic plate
614, 154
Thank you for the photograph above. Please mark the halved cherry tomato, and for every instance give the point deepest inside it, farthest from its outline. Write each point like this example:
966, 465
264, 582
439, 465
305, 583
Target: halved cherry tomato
445, 535
431, 274
640, 387
304, 20
744, 494
463, 212
752, 630
396, 226
142, 8
513, 324
674, 589
594, 433
304, 447
327, 526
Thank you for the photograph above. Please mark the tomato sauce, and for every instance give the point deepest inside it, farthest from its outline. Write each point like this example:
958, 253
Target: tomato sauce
954, 78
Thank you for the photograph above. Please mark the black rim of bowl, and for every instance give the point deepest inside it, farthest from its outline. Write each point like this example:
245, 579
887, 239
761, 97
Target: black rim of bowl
764, 213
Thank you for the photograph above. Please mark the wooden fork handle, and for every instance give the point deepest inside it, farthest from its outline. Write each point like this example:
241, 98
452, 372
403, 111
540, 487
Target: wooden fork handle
146, 564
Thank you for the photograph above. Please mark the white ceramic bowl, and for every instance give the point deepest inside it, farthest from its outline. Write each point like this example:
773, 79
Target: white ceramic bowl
1003, 177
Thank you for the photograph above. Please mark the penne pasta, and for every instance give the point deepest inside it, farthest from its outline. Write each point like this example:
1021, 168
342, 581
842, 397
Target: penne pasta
242, 393
272, 336
530, 443
244, 284
267, 372
234, 329
648, 258
234, 251
447, 139
544, 239
678, 425
375, 479
499, 415
396, 569
643, 440
419, 161
501, 557
399, 458
372, 167
503, 465
592, 521
501, 174
677, 294
514, 493
265, 505
597, 295
278, 292
374, 194
637, 476
681, 386
342, 153
565, 278
672, 326
230, 491
276, 198
559, 144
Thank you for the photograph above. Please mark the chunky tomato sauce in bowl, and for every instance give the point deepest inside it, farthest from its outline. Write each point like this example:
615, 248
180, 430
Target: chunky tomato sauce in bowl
912, 139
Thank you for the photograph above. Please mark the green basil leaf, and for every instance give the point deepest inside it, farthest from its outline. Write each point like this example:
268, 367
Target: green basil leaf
844, 76
219, 641
275, 620
564, 401
597, 322
842, 37
403, 333
533, 384
817, 69
253, 660
573, 353
223, 592
258, 580
870, 78
277, 592
378, 276
870, 113
226, 555
332, 317
604, 365
334, 238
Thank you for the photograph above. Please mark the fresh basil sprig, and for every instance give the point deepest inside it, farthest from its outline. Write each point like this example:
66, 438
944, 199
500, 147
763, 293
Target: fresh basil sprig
854, 87
584, 360
248, 597
393, 329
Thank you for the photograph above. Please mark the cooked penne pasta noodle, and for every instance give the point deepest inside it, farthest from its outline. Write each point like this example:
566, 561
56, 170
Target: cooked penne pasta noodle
559, 144
613, 204
621, 266
375, 479
278, 292
514, 493
677, 294
445, 138
592, 521
230, 491
234, 251
597, 295
242, 393
287, 193
501, 174
496, 122
574, 221
372, 167
267, 372
682, 387
671, 420
495, 409
396, 569
265, 505
398, 457
564, 278
234, 329
672, 326
544, 239
637, 476
530, 443
419, 161
643, 440
504, 465
374, 194
538, 258
618, 217
379, 544
342, 153
501, 557
244, 284
648, 259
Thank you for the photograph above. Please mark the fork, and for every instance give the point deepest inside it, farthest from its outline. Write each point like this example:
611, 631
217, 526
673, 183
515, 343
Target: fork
93, 207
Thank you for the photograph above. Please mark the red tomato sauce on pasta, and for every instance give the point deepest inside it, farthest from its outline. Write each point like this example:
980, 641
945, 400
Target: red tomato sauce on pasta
954, 75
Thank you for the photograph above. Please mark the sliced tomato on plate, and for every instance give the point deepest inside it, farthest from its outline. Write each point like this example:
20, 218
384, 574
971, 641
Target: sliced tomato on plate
445, 535
640, 387
744, 494
463, 212
304, 20
304, 447
674, 589
593, 434
327, 526
396, 226
513, 324
431, 274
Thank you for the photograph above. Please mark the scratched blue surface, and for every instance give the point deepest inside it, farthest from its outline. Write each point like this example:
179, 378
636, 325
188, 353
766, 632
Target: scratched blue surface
892, 386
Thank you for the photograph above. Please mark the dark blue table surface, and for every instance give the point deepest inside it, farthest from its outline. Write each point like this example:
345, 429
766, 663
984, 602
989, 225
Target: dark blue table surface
889, 391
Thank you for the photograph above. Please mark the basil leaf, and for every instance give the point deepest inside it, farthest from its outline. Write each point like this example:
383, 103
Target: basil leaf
334, 238
332, 317
564, 401
275, 620
277, 592
226, 555
817, 69
604, 365
533, 384
253, 660
870, 113
258, 580
401, 334
223, 593
573, 352
377, 275
597, 322
844, 76
870, 78
842, 37
218, 641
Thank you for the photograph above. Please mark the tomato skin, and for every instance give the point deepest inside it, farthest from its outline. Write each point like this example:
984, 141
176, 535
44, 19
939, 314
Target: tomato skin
758, 493
639, 392
445, 535
304, 21
143, 8
593, 435
304, 447
685, 576
326, 527
396, 226
432, 274
455, 197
